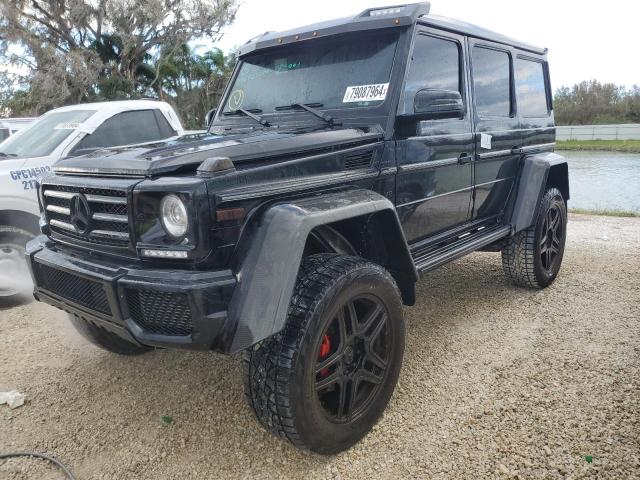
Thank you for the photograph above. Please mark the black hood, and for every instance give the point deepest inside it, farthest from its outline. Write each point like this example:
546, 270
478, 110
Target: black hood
188, 152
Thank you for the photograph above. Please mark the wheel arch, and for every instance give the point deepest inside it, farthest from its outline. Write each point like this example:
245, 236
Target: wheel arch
359, 221
558, 177
377, 237
20, 219
539, 172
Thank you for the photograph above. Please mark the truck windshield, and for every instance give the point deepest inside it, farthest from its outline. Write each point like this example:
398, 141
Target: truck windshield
344, 72
43, 136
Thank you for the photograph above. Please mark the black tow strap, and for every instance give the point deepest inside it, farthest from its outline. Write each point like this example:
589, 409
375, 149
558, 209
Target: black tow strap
39, 455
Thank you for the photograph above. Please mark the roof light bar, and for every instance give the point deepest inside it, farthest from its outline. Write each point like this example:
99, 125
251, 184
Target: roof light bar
385, 11
372, 18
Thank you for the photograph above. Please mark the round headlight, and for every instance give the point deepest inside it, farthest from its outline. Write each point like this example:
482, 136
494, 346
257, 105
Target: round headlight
174, 216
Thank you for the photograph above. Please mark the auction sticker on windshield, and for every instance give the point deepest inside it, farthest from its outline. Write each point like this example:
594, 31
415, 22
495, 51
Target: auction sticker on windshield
366, 93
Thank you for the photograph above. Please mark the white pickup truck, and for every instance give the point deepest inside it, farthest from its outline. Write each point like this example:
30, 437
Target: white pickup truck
60, 133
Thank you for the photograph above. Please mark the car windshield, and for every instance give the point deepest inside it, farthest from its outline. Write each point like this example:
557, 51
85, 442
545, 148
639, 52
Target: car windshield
43, 136
345, 72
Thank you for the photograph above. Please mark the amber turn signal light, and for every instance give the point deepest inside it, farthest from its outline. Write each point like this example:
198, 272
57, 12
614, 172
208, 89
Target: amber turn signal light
229, 214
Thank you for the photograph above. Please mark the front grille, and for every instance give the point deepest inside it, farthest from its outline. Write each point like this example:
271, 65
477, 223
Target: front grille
161, 313
84, 292
110, 216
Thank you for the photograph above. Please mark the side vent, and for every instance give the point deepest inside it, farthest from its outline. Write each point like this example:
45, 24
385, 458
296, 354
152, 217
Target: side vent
354, 161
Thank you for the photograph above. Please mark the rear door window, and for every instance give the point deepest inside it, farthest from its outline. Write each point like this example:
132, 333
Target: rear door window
128, 128
492, 82
531, 87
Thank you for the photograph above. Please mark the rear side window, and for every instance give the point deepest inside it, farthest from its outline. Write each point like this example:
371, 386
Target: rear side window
532, 92
128, 128
492, 82
435, 64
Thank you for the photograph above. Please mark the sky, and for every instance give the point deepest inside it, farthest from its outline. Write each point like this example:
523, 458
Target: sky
586, 39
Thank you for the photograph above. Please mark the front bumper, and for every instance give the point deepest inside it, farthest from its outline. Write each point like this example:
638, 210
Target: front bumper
166, 308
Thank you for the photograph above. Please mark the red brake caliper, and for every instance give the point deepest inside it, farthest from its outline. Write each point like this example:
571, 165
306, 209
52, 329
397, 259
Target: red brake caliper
325, 350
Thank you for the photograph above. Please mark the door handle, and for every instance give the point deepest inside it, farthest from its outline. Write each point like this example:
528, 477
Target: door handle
464, 158
516, 151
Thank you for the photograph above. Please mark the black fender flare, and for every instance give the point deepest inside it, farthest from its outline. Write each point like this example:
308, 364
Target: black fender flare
267, 272
539, 171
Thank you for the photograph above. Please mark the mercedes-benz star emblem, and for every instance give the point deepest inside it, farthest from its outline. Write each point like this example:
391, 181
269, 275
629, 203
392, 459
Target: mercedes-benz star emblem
80, 213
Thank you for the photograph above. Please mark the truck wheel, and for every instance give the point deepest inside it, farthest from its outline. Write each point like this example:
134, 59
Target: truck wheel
326, 378
104, 339
532, 258
15, 281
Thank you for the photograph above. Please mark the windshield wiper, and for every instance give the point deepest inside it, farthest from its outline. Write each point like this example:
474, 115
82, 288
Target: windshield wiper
5, 155
309, 107
251, 114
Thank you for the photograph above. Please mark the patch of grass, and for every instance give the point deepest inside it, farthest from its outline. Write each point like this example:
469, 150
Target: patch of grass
629, 146
606, 213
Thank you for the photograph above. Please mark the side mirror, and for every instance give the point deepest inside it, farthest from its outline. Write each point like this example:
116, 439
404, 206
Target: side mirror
431, 103
208, 118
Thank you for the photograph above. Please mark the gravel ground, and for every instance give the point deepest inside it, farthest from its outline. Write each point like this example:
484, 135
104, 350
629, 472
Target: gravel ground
497, 381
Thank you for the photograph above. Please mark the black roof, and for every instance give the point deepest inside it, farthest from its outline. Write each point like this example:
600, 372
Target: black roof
472, 30
396, 16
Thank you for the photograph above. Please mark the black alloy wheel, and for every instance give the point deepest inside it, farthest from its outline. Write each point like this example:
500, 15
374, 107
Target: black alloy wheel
552, 238
532, 257
353, 357
326, 378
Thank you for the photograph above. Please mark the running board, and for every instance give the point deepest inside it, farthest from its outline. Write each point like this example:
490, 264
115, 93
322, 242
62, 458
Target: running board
461, 247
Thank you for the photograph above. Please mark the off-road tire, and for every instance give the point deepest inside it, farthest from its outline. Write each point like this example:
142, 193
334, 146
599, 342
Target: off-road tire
279, 378
104, 339
521, 258
15, 239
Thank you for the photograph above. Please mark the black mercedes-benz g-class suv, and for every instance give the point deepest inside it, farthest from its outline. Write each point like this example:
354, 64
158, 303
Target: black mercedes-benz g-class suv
346, 159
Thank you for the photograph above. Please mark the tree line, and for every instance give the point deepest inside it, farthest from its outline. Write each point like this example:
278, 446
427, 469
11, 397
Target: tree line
61, 52
595, 103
